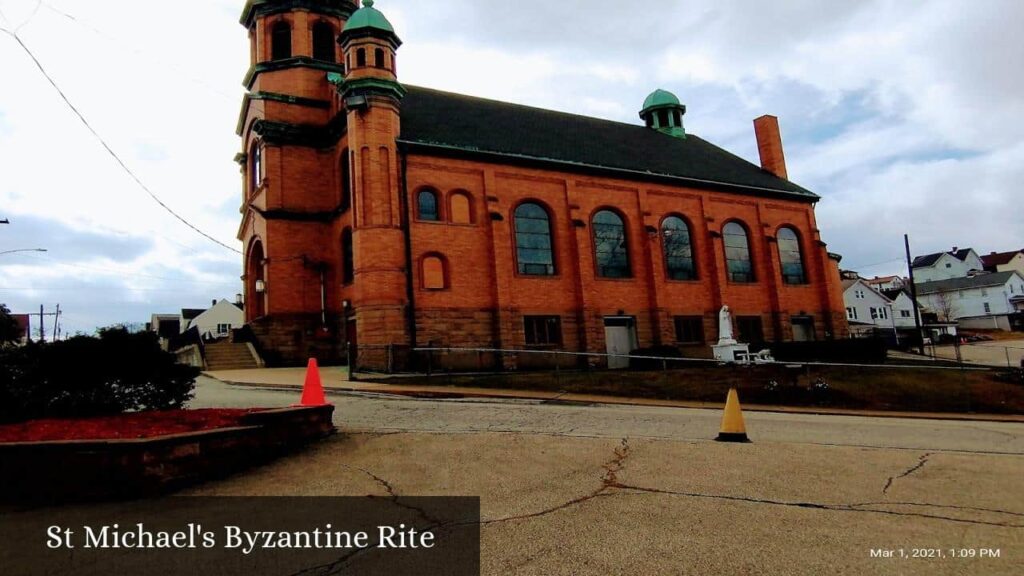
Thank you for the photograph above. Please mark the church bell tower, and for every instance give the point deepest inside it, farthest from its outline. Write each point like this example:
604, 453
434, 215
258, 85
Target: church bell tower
372, 96
292, 134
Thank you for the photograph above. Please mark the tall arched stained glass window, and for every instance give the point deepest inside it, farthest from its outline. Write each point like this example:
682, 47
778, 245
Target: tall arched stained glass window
610, 248
790, 258
534, 250
678, 249
738, 263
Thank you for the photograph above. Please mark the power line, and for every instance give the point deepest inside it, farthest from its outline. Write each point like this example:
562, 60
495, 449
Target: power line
104, 142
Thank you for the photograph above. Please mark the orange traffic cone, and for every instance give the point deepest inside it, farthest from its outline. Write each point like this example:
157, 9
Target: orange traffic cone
733, 429
313, 389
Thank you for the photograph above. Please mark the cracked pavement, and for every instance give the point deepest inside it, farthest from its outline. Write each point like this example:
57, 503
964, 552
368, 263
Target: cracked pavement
635, 490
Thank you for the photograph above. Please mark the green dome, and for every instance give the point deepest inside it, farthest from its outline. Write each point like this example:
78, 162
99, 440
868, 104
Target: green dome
368, 17
660, 98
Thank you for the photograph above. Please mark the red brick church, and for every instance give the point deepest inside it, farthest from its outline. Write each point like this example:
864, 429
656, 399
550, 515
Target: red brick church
395, 216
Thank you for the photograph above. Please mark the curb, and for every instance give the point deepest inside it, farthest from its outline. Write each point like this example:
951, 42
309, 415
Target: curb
621, 401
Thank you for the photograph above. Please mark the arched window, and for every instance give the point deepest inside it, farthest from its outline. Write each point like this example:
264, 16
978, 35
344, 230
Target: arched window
461, 208
255, 285
678, 249
361, 57
378, 58
281, 41
790, 258
434, 277
346, 182
426, 206
534, 253
738, 263
348, 264
323, 42
610, 247
256, 167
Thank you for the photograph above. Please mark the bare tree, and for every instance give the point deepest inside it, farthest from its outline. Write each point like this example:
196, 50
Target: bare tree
945, 306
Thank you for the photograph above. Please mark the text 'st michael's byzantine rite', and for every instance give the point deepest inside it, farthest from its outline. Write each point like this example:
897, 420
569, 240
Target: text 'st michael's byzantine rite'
194, 536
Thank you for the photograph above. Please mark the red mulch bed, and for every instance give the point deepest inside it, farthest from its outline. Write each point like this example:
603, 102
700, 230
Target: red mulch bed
123, 426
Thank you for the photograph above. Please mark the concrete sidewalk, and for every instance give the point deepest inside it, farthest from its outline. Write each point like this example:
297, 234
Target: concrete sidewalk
336, 379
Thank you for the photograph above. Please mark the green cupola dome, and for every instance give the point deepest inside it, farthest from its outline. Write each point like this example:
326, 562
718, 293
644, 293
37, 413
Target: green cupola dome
663, 112
368, 18
660, 98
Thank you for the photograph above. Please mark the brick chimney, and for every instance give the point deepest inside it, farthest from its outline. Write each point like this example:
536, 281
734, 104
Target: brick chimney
769, 145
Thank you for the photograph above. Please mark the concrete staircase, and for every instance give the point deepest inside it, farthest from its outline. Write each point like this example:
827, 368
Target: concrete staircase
228, 355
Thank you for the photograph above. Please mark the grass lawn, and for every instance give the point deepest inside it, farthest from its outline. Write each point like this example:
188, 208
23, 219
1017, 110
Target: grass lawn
875, 388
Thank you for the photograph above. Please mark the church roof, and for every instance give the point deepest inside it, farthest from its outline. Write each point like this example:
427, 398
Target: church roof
456, 124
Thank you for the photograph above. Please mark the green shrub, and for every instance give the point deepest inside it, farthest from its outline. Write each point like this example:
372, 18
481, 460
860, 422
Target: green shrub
92, 376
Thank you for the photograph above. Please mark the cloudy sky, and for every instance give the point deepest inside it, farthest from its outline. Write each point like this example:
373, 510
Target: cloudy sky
905, 116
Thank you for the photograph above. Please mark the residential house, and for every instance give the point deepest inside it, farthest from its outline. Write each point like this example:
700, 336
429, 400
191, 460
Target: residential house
902, 307
217, 320
867, 310
166, 327
883, 283
957, 263
982, 301
1004, 261
24, 328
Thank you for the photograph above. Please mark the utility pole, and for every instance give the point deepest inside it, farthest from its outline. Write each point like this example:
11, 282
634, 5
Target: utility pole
56, 319
42, 323
913, 293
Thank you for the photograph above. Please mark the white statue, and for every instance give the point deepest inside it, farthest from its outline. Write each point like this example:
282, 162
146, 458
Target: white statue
725, 337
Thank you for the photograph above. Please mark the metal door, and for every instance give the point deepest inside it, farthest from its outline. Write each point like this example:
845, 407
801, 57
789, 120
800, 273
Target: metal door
620, 338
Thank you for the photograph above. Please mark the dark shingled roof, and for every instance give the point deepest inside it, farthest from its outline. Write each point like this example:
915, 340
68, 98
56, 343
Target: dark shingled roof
953, 284
468, 125
191, 313
929, 259
894, 293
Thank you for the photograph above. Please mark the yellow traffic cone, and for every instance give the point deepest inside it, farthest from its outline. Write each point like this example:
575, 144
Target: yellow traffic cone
733, 429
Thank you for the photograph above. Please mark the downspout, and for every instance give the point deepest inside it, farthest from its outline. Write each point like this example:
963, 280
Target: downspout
410, 293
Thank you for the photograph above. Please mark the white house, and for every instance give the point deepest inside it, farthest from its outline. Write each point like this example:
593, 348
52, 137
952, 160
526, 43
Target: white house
957, 263
216, 321
867, 310
902, 308
980, 301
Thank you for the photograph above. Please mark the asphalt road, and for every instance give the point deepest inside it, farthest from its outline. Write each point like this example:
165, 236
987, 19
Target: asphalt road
635, 490
376, 413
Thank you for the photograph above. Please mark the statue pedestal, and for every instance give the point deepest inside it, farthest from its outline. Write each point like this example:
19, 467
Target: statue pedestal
728, 352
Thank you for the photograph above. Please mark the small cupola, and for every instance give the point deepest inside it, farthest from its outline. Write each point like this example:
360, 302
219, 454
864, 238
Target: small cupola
663, 112
368, 20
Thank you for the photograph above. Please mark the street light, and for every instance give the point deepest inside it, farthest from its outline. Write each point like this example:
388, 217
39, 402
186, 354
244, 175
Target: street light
23, 250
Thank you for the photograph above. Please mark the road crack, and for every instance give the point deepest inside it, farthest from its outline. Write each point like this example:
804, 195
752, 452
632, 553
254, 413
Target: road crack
828, 507
609, 480
920, 464
393, 495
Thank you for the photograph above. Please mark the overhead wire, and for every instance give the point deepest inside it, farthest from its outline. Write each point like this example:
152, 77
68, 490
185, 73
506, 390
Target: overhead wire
14, 34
